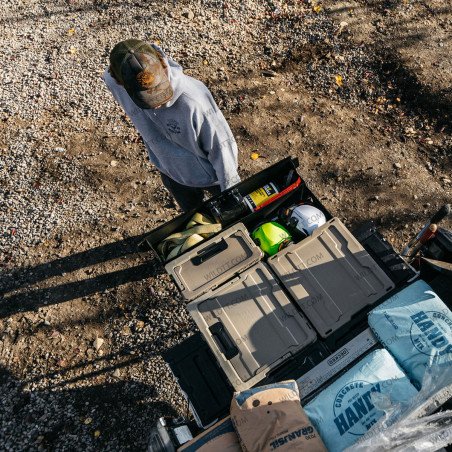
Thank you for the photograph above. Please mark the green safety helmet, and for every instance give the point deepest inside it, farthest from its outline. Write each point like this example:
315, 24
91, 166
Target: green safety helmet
271, 237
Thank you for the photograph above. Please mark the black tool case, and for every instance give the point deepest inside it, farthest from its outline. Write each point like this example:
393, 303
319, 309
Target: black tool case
384, 254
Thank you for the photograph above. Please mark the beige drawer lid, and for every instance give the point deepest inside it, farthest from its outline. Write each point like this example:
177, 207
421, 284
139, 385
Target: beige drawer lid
251, 326
331, 276
214, 261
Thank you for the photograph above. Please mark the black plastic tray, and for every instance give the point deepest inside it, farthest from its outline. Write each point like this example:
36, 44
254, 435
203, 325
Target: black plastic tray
200, 378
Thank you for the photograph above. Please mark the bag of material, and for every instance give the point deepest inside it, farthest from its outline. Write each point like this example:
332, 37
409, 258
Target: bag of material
270, 418
345, 411
416, 327
219, 437
418, 426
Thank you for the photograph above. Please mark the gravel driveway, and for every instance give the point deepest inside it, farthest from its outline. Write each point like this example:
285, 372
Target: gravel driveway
360, 91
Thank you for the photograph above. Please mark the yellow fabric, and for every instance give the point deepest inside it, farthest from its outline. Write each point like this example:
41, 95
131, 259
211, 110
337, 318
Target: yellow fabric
198, 229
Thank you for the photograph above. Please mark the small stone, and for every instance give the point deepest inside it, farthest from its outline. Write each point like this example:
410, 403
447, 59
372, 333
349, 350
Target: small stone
269, 73
415, 196
342, 26
126, 331
446, 180
117, 373
87, 421
114, 163
375, 198
188, 14
97, 344
397, 165
59, 149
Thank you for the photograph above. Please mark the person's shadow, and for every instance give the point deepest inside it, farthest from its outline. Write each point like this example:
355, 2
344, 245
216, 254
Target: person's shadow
12, 301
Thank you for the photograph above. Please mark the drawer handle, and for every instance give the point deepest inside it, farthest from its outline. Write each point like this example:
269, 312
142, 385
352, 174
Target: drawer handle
224, 342
209, 252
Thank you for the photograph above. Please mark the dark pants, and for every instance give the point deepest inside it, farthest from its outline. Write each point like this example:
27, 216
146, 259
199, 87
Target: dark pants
188, 197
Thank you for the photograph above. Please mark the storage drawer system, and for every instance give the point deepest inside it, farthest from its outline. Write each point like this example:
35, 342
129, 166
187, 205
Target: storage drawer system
266, 319
251, 326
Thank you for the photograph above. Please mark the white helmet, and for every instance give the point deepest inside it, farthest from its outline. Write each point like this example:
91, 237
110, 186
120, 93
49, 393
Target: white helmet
306, 218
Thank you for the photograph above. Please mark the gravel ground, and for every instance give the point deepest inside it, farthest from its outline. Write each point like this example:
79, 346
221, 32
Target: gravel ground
358, 90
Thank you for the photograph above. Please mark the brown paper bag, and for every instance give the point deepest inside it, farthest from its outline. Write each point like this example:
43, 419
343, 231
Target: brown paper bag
219, 437
270, 418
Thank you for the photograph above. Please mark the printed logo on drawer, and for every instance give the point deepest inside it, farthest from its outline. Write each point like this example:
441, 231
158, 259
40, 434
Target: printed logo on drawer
213, 273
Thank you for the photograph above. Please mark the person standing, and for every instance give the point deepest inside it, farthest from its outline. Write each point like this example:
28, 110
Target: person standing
186, 135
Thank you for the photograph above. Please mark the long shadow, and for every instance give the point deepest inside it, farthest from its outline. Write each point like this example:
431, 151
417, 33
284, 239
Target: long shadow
26, 301
416, 97
21, 277
115, 360
32, 300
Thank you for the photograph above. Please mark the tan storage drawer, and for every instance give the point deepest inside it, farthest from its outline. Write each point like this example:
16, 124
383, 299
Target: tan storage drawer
213, 262
331, 276
251, 326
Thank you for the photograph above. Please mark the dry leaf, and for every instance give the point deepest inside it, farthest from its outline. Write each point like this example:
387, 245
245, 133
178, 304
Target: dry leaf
97, 434
339, 80
317, 8
72, 50
71, 31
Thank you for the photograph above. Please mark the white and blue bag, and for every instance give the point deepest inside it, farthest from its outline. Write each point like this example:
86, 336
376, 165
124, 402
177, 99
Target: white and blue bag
416, 327
344, 411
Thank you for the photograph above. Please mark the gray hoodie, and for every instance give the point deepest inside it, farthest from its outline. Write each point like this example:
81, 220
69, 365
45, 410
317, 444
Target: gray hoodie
188, 138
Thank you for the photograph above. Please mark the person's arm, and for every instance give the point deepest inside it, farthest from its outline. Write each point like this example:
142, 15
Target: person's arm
217, 141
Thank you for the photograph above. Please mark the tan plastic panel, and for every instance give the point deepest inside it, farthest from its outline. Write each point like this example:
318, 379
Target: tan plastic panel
214, 262
331, 276
251, 326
